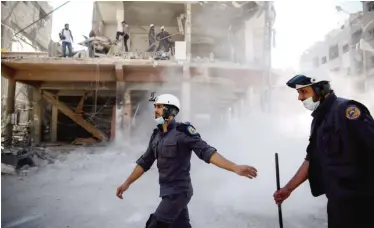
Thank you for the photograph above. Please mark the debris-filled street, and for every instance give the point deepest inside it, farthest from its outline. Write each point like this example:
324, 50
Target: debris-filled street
78, 190
180, 114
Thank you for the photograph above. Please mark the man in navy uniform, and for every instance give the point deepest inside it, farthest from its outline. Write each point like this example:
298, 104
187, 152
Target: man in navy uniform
171, 144
340, 155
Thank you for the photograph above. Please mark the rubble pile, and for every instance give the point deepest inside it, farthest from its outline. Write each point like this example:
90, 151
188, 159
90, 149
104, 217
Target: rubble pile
23, 161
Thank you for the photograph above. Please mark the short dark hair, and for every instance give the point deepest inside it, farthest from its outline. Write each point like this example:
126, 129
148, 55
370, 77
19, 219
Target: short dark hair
66, 24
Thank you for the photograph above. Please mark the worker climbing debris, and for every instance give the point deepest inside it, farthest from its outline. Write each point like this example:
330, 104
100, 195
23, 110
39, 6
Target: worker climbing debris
151, 38
125, 33
163, 36
173, 163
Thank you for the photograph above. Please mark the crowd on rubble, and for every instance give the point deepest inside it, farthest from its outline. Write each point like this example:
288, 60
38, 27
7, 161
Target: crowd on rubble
160, 42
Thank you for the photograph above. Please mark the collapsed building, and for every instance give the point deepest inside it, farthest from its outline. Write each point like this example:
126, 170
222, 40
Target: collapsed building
219, 66
25, 27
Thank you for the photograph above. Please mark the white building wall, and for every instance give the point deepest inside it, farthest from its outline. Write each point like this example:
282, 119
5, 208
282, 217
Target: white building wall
313, 59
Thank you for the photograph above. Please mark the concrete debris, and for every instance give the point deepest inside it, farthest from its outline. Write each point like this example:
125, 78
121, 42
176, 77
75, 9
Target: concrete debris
28, 170
84, 141
7, 169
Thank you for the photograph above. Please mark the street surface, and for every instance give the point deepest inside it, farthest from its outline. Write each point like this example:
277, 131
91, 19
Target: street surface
78, 190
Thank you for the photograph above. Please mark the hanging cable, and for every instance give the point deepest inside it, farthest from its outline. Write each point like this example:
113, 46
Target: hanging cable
42, 18
21, 38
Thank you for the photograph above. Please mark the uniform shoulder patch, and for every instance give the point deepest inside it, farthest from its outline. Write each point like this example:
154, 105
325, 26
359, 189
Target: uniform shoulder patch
191, 130
188, 129
352, 112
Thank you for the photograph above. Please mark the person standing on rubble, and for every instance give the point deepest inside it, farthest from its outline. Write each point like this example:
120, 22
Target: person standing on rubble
151, 38
125, 33
171, 144
340, 155
164, 38
66, 37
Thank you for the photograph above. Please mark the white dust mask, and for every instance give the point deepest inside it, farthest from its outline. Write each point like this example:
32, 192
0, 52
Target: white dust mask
160, 120
310, 104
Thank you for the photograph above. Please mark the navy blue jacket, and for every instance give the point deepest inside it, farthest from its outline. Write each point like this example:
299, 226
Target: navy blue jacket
341, 149
172, 150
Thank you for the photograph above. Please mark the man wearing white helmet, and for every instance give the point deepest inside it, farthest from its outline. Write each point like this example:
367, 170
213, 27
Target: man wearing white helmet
164, 38
340, 155
171, 144
151, 38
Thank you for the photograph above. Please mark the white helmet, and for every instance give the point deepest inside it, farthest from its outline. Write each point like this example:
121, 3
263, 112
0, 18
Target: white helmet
151, 25
168, 99
162, 27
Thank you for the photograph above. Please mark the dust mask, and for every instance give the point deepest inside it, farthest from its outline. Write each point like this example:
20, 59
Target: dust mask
160, 120
310, 104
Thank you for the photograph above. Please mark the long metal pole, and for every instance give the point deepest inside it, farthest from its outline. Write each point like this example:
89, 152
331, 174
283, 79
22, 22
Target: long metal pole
41, 18
280, 217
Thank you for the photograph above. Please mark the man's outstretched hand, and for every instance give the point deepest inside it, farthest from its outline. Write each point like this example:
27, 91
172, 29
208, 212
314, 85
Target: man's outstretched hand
246, 171
121, 189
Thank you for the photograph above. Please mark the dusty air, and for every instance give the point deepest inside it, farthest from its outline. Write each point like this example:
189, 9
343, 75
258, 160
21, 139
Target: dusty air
187, 114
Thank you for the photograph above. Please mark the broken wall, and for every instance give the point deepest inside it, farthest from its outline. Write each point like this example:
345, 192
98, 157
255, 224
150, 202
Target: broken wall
254, 39
19, 14
139, 35
16, 16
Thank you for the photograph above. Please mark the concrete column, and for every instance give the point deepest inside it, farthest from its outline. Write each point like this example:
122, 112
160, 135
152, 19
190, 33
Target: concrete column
127, 114
249, 43
6, 36
37, 116
186, 96
186, 85
120, 94
10, 102
187, 35
113, 124
54, 123
123, 113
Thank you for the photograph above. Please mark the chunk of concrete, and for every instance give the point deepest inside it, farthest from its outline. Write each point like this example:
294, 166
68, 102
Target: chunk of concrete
8, 169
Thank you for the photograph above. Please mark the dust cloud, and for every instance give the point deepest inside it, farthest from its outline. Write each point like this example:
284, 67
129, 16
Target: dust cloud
78, 190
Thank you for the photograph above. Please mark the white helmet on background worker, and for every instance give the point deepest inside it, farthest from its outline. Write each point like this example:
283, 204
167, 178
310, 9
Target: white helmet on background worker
171, 106
152, 25
162, 28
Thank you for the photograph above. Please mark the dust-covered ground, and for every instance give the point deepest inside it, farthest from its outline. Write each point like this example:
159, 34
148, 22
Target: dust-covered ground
78, 190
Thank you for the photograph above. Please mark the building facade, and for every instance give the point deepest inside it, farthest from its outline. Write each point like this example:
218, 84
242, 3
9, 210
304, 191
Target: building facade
237, 35
346, 51
15, 17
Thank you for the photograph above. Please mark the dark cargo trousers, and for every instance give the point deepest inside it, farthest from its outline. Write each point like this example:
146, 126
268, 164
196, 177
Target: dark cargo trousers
172, 212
